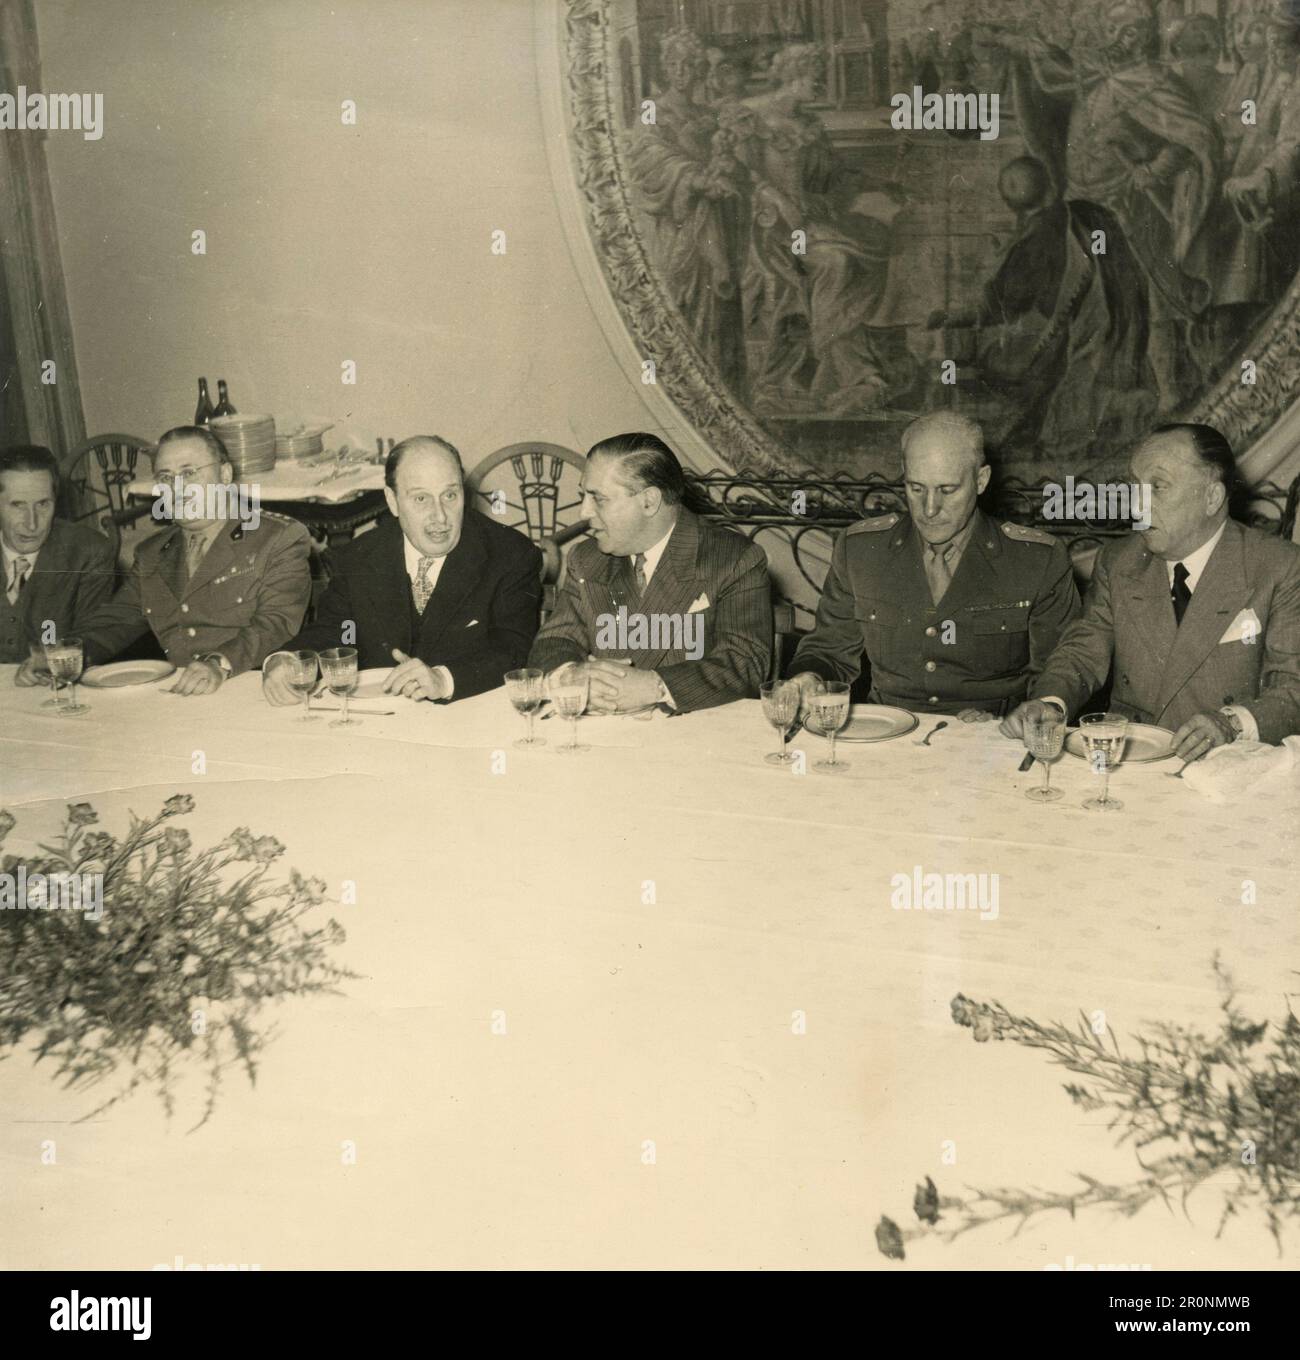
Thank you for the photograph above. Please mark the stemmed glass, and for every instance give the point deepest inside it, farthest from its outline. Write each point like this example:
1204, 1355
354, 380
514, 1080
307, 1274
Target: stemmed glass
37, 653
569, 695
780, 701
828, 712
1044, 738
302, 677
339, 667
65, 660
1104, 737
526, 689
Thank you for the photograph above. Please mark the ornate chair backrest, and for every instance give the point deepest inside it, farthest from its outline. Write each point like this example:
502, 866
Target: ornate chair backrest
96, 476
532, 487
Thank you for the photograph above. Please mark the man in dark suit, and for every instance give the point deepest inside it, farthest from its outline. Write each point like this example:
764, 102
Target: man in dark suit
444, 595
658, 607
1197, 617
55, 574
222, 585
954, 612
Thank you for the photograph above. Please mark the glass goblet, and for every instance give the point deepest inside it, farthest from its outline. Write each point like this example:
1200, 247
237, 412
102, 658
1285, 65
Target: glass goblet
1104, 737
780, 700
526, 690
301, 667
65, 660
339, 667
828, 712
1044, 738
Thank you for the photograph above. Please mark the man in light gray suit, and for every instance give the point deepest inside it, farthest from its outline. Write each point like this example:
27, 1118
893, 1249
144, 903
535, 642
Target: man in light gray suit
1198, 616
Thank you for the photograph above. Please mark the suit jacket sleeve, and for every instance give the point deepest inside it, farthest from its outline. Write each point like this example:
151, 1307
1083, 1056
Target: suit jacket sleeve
516, 607
1277, 709
737, 663
833, 649
283, 590
566, 635
334, 610
1080, 662
116, 622
94, 586
1054, 609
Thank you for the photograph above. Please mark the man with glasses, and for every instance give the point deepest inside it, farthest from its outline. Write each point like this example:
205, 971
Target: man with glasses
219, 596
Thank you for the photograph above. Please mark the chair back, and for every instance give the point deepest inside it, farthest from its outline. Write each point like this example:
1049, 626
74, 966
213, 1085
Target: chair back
95, 480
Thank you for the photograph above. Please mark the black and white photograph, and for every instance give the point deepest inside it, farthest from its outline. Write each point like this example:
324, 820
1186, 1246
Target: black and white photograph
650, 635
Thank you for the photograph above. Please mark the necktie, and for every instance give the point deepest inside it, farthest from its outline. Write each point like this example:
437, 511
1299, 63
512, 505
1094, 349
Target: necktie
423, 588
937, 571
638, 571
195, 546
1180, 594
21, 567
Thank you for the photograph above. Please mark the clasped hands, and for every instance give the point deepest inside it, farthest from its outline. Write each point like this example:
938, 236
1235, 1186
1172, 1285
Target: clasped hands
614, 686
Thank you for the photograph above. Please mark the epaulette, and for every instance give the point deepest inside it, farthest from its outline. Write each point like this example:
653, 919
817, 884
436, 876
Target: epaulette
1025, 533
873, 525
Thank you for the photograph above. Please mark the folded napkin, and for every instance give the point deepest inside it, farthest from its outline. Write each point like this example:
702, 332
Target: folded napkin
1234, 773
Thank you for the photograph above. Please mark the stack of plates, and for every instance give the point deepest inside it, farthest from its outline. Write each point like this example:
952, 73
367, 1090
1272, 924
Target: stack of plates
304, 441
250, 442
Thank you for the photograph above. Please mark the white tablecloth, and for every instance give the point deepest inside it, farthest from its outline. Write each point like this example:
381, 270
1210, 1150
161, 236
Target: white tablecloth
522, 890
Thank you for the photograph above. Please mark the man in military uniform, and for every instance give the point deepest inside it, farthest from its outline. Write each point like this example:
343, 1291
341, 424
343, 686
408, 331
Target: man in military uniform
219, 596
954, 612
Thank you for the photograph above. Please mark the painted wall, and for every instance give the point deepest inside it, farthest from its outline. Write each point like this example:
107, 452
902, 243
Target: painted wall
324, 242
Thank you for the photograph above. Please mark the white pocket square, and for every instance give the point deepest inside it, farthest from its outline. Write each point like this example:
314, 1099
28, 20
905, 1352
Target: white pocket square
702, 602
1245, 627
471, 623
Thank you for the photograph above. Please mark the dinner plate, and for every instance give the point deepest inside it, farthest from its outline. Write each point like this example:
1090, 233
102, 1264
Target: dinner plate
873, 722
119, 674
1144, 744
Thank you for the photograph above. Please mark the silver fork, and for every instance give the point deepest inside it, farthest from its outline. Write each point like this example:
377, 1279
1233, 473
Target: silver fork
925, 741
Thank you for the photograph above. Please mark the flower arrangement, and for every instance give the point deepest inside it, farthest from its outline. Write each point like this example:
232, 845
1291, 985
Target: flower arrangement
188, 948
1193, 1106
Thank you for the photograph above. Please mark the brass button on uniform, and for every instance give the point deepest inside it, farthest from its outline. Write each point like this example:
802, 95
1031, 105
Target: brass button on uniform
932, 631
930, 666
189, 632
185, 609
933, 699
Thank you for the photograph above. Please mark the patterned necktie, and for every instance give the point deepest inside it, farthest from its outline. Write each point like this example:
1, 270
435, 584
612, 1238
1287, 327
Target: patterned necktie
1180, 594
21, 567
423, 587
937, 571
638, 571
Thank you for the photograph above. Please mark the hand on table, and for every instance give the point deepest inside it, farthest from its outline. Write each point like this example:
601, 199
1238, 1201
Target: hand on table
276, 689
412, 679
808, 684
199, 677
32, 672
618, 687
1200, 734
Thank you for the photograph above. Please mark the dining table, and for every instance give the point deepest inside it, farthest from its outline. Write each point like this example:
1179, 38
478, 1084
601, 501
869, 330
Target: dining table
651, 1004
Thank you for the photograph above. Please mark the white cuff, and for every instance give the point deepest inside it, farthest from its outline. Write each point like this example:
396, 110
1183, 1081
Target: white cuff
1249, 727
446, 677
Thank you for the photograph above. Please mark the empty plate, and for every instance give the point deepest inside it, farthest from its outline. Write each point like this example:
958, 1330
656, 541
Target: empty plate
873, 722
1145, 743
118, 674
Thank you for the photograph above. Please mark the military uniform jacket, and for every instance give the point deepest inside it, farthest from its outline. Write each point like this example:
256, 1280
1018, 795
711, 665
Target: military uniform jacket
1238, 643
72, 577
1005, 608
248, 596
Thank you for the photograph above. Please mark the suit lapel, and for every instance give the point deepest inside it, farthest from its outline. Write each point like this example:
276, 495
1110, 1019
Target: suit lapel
171, 562
673, 587
1218, 595
389, 590
1145, 589
460, 572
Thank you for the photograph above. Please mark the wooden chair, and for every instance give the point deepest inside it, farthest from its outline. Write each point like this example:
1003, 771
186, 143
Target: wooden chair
95, 479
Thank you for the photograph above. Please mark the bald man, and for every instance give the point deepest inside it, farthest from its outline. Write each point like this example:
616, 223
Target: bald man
1197, 618
443, 596
951, 610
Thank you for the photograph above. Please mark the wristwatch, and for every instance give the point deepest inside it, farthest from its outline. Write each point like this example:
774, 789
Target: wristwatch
1234, 721
224, 666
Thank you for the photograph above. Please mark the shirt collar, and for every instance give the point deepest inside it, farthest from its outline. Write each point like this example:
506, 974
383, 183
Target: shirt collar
1195, 562
653, 554
10, 557
956, 545
414, 557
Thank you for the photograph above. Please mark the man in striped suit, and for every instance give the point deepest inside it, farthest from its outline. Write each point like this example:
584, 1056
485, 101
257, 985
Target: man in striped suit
658, 606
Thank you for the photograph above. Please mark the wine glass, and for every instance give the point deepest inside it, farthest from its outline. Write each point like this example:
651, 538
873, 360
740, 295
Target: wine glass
1104, 738
780, 701
569, 695
37, 654
302, 677
65, 660
828, 712
526, 689
339, 667
1044, 738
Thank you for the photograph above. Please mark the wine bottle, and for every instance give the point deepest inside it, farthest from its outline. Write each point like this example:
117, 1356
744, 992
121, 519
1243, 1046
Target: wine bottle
203, 412
224, 408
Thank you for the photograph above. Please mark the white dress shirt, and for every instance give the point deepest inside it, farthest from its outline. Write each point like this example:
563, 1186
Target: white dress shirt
413, 558
11, 557
652, 556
